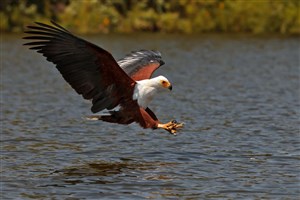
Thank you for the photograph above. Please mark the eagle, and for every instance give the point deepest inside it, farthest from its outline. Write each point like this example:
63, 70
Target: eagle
123, 88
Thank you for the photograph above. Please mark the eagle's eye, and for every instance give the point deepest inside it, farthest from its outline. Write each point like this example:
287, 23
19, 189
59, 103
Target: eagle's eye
165, 83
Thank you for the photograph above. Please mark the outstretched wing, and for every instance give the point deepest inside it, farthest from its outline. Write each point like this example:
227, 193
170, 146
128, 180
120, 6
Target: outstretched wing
89, 69
141, 64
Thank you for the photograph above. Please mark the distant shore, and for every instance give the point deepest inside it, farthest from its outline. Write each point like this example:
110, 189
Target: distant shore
182, 16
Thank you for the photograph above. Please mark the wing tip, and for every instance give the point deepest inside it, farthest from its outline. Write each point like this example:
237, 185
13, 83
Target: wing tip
161, 62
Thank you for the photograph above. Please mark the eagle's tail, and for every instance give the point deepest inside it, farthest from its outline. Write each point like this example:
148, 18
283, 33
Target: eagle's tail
112, 117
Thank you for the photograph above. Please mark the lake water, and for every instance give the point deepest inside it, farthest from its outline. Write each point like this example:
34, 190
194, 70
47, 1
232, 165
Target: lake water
238, 96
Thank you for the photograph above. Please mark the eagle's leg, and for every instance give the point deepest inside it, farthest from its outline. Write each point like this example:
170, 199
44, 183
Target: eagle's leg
171, 126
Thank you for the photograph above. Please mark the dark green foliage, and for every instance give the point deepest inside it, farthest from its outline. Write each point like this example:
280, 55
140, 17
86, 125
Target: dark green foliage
183, 16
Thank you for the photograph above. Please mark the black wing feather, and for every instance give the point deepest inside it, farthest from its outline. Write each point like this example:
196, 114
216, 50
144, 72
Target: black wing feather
89, 69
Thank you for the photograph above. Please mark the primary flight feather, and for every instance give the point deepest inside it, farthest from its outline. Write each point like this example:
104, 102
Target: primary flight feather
96, 75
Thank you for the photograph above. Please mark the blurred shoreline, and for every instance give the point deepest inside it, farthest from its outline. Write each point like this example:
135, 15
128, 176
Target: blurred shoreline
257, 17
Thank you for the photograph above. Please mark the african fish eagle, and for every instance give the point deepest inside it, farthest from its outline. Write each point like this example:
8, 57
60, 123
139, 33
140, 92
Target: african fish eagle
96, 75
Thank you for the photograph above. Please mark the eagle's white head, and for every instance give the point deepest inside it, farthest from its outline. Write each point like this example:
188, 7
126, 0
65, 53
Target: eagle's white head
161, 82
146, 89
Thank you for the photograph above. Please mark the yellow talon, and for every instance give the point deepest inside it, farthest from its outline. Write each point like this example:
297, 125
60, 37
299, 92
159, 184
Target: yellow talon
171, 126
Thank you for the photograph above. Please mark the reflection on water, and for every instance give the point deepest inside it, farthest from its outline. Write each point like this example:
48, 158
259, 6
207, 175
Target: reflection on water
239, 98
104, 169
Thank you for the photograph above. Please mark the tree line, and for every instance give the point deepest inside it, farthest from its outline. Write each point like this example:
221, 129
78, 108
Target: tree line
167, 16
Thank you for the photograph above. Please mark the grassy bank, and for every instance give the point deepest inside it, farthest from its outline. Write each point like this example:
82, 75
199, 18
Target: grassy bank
170, 16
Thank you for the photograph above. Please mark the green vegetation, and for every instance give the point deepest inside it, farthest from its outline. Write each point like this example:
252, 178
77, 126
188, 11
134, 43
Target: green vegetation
180, 16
